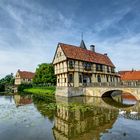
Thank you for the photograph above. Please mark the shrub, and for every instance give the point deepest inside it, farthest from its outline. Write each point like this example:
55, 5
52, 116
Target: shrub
24, 86
2, 88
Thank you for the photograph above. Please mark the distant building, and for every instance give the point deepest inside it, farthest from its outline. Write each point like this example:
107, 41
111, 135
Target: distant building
24, 77
131, 78
76, 66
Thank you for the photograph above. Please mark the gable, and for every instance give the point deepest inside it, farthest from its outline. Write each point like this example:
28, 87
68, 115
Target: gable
59, 55
17, 75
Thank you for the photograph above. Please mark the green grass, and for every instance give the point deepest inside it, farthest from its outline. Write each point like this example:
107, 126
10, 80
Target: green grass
42, 93
48, 90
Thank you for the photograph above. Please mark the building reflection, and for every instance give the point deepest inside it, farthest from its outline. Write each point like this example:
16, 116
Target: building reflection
87, 118
119, 99
22, 100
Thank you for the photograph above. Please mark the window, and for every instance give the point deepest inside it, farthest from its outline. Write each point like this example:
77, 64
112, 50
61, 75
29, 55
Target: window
71, 64
80, 79
87, 66
57, 55
65, 80
108, 69
107, 78
110, 78
112, 70
99, 78
70, 78
99, 67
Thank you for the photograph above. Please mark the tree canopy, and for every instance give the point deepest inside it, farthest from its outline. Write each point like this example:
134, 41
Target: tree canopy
7, 80
44, 74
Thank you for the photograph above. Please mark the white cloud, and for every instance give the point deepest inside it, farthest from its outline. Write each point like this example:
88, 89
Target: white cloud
124, 53
37, 30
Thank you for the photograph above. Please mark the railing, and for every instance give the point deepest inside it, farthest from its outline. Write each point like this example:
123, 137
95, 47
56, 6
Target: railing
109, 84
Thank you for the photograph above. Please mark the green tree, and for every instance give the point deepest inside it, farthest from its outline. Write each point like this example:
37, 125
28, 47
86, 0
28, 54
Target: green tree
44, 74
2, 87
8, 79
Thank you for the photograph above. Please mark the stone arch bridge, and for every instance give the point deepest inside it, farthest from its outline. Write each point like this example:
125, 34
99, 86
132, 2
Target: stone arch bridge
99, 91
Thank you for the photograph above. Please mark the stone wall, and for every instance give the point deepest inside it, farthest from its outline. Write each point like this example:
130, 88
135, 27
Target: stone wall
93, 91
69, 91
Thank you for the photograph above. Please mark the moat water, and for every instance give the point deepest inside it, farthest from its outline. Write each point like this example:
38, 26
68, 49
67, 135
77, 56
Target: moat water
78, 118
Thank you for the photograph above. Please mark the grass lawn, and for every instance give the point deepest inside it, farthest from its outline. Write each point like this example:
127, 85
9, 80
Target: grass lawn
41, 91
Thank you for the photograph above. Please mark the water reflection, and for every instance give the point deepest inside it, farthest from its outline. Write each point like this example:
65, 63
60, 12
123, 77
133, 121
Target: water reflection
47, 108
22, 100
75, 120
119, 99
4, 100
84, 118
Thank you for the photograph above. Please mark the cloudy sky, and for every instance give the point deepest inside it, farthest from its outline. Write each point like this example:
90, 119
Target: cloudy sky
31, 29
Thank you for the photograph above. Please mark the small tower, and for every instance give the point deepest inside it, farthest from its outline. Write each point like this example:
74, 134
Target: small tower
82, 45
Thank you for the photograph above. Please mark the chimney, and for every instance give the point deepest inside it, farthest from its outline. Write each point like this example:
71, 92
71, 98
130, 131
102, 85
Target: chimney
105, 54
92, 48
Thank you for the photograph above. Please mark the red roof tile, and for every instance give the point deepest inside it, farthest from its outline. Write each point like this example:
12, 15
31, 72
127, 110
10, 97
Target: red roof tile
130, 75
122, 72
26, 74
78, 53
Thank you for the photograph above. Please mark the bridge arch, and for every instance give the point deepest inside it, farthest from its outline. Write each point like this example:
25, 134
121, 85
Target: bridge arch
134, 92
99, 91
109, 93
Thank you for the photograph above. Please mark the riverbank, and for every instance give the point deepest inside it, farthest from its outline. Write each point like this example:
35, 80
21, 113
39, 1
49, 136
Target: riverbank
6, 93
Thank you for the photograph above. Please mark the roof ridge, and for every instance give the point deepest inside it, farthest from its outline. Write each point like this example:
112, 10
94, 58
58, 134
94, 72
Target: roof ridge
68, 44
82, 48
26, 71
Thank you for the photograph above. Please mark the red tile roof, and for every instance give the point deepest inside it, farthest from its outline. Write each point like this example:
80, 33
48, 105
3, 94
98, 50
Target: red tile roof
122, 72
78, 53
130, 75
26, 74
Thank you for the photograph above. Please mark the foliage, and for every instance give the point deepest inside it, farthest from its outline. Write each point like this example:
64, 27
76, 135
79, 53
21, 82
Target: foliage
24, 86
44, 74
2, 88
8, 79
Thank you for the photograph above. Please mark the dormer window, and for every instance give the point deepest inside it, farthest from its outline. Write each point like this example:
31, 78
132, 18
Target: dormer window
71, 64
